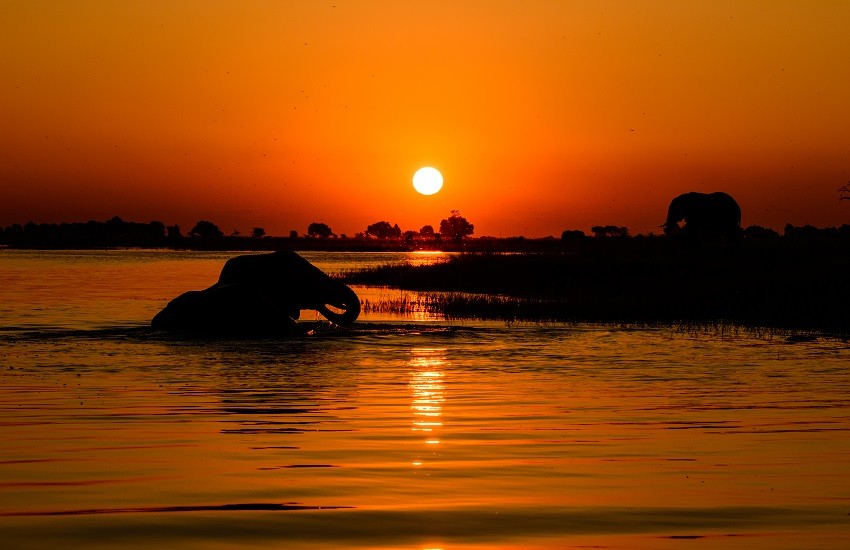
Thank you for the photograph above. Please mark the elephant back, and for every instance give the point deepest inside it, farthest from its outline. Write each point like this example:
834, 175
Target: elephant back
293, 283
278, 268
283, 276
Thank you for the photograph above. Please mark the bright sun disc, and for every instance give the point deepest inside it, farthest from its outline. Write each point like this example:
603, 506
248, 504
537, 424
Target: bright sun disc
427, 180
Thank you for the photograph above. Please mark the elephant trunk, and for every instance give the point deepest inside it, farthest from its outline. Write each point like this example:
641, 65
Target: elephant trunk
342, 306
672, 223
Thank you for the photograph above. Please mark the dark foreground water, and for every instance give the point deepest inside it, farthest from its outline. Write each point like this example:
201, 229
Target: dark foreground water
400, 432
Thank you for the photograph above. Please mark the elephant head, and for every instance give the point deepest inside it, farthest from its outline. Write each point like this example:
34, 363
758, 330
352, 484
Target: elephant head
705, 215
292, 284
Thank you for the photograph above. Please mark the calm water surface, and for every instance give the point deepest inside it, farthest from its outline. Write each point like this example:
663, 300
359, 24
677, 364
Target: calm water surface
403, 432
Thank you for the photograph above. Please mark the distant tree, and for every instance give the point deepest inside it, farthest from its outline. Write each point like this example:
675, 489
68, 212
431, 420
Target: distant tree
235, 233
113, 227
156, 230
572, 235
293, 234
600, 231
379, 230
320, 230
806, 232
258, 232
206, 230
844, 192
427, 232
757, 232
456, 227
173, 232
409, 236
12, 232
383, 230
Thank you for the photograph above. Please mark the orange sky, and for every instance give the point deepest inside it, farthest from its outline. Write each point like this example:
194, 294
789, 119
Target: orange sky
542, 116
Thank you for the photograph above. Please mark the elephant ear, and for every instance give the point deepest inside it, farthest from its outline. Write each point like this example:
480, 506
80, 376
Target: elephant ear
342, 306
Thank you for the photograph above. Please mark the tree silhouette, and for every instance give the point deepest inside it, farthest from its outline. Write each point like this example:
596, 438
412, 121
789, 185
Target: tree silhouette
321, 230
427, 232
572, 235
456, 227
258, 232
154, 230
609, 231
383, 230
206, 230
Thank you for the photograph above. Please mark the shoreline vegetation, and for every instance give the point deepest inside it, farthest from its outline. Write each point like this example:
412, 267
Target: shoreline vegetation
783, 285
797, 281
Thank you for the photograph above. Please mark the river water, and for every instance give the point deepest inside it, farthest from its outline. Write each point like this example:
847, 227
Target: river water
402, 432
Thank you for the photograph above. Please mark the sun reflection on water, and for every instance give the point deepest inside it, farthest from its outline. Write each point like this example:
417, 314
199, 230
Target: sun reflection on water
428, 395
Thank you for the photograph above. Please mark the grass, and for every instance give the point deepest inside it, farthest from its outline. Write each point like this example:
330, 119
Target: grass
783, 285
461, 305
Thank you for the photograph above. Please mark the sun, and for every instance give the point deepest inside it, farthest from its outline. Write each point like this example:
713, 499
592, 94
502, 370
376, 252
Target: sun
427, 180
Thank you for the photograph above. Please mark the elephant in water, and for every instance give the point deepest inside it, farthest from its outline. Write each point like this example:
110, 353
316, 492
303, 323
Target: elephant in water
706, 215
260, 295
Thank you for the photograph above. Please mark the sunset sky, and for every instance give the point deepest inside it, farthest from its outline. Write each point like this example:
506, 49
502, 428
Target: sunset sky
541, 115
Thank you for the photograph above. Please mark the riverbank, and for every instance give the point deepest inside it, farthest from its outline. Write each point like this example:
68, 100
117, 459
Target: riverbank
791, 285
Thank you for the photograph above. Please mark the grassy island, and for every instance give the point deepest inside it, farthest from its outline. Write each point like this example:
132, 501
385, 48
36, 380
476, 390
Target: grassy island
800, 285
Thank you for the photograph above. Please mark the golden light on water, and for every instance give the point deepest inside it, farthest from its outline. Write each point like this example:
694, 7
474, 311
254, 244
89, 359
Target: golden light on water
426, 383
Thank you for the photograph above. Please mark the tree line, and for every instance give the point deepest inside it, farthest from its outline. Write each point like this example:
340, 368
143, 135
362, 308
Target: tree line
454, 228
118, 232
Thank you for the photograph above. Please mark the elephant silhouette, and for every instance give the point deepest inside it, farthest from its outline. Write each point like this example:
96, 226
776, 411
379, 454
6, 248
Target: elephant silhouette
260, 294
705, 216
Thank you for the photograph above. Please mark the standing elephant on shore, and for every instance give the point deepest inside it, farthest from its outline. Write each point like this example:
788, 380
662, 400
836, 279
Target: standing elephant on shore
705, 215
260, 294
